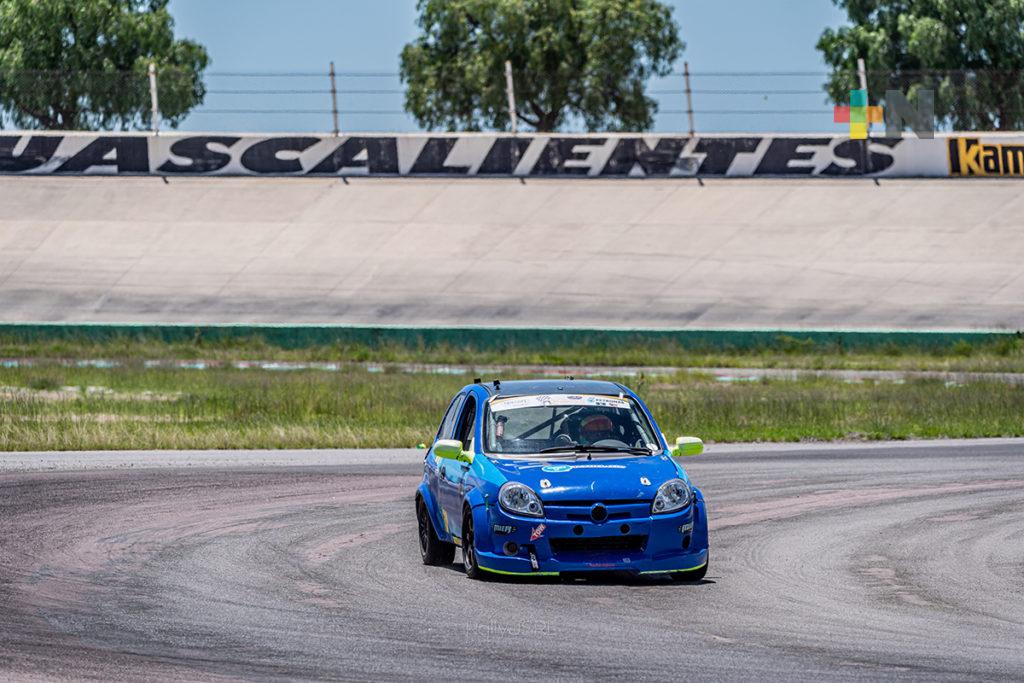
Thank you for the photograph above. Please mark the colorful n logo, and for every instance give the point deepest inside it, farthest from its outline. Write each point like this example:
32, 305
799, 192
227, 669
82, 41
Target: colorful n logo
858, 114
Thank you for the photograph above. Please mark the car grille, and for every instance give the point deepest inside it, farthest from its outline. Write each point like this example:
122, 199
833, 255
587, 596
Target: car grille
585, 516
599, 544
579, 510
588, 503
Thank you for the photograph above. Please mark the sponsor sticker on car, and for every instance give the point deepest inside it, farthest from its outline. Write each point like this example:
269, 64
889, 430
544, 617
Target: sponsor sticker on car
558, 400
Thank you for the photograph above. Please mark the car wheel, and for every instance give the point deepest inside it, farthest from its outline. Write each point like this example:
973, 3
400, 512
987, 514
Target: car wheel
691, 575
473, 569
433, 550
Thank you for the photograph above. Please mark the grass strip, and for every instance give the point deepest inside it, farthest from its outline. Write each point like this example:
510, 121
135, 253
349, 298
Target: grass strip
1002, 354
53, 407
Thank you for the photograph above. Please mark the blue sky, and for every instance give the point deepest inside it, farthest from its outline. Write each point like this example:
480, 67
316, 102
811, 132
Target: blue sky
366, 36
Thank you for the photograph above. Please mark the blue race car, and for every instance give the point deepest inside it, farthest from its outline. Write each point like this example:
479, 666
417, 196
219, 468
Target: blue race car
546, 477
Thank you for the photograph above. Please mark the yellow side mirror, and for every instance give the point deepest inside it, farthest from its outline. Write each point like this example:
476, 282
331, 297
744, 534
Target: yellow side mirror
688, 445
451, 449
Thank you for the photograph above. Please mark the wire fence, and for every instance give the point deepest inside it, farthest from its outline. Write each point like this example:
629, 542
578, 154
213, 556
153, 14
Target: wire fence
370, 101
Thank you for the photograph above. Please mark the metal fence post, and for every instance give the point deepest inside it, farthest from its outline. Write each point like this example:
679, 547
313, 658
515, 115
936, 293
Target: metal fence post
334, 101
511, 92
862, 75
689, 96
154, 102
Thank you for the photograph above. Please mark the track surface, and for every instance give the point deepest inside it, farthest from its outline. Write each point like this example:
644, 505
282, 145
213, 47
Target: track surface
858, 562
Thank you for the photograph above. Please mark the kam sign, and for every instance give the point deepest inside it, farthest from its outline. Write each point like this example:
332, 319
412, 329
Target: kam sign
472, 154
971, 157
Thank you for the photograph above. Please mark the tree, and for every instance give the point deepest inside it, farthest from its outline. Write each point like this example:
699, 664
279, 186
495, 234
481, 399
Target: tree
586, 60
970, 53
82, 64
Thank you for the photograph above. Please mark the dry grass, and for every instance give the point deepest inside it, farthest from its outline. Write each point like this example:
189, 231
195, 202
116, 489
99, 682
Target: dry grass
1004, 355
229, 408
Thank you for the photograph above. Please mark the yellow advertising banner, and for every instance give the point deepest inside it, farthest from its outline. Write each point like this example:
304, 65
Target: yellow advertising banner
972, 157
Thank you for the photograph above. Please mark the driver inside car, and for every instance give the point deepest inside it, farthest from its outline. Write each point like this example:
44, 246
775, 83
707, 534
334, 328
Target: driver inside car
596, 428
499, 426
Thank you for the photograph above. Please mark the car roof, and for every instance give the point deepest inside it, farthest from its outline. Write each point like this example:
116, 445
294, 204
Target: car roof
527, 387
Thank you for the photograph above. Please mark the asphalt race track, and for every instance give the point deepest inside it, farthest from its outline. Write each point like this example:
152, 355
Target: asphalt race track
854, 562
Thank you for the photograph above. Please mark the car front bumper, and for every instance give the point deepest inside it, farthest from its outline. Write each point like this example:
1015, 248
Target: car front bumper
568, 540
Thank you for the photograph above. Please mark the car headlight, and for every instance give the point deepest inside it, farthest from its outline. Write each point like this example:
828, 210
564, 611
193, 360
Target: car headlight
520, 499
673, 495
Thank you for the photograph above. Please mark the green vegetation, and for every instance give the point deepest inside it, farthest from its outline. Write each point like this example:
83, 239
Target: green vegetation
51, 406
59, 400
586, 59
82, 64
969, 53
1002, 354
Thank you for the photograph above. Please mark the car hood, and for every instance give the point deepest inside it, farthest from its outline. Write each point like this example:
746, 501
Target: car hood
633, 478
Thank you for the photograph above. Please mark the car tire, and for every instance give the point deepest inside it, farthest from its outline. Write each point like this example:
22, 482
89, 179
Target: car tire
469, 560
433, 550
691, 575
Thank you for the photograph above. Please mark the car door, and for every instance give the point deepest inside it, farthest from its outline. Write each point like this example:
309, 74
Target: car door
433, 464
452, 474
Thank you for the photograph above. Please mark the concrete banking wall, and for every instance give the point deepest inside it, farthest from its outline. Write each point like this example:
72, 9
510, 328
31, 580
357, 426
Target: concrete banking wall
668, 253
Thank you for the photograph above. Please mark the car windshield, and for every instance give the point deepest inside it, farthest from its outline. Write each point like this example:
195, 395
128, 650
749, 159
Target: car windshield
566, 424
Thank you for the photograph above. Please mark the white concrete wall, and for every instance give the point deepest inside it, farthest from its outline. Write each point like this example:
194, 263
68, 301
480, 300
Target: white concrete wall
663, 253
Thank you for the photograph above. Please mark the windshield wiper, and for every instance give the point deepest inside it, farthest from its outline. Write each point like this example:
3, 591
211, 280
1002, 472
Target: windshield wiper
579, 448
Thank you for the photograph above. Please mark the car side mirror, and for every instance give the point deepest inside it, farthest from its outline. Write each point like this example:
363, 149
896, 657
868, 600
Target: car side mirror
688, 445
451, 449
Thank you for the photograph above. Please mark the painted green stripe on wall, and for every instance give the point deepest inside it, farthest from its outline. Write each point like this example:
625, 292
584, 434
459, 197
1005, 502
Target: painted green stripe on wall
495, 338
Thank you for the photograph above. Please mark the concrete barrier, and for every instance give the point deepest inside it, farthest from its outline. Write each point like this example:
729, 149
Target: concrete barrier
672, 253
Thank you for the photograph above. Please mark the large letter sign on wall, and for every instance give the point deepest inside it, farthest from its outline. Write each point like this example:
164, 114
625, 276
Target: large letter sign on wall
977, 157
490, 155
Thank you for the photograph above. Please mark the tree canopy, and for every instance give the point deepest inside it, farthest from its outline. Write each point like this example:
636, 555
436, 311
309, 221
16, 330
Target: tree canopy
82, 64
572, 60
971, 53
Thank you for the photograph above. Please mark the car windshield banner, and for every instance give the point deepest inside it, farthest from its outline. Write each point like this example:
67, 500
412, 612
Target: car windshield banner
558, 400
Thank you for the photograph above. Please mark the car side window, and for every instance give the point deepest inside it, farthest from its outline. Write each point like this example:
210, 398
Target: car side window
448, 422
466, 423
